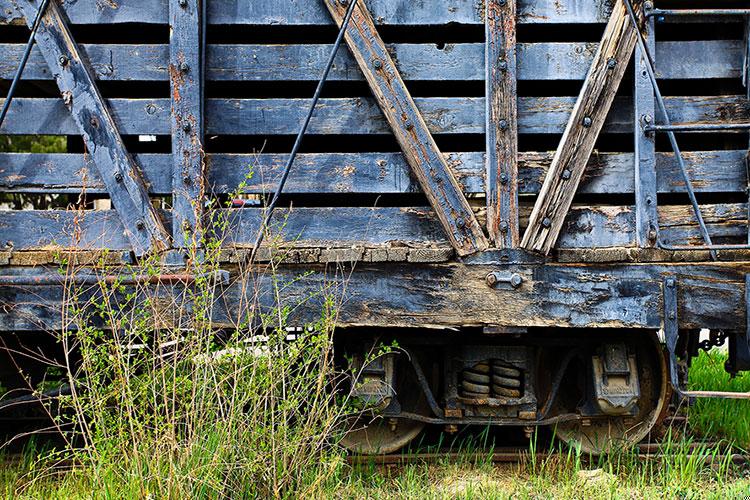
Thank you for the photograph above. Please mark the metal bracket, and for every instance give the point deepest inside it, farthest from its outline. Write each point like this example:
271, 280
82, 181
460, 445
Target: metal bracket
672, 334
496, 278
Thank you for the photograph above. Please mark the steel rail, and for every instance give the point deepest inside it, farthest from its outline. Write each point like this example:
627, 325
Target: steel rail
697, 12
24, 60
705, 127
298, 142
649, 60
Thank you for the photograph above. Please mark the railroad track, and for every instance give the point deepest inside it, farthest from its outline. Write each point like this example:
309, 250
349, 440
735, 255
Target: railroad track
520, 455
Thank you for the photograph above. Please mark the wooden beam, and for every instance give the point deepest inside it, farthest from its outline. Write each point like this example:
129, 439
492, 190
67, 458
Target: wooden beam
409, 127
582, 131
141, 222
644, 99
185, 77
502, 123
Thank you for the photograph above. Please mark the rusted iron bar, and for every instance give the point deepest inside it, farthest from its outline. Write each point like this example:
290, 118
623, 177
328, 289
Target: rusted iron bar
697, 12
408, 125
139, 279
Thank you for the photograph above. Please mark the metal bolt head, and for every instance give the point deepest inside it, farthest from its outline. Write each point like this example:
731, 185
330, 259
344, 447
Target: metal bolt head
186, 179
344, 2
503, 65
184, 67
504, 178
377, 63
646, 118
409, 125
118, 176
587, 122
516, 280
649, 200
648, 5
612, 63
491, 279
503, 124
186, 127
140, 225
546, 222
671, 315
63, 60
566, 174
182, 3
671, 282
503, 226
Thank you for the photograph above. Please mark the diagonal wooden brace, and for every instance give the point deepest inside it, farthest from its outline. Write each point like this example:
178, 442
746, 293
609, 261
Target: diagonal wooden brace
582, 131
410, 129
120, 174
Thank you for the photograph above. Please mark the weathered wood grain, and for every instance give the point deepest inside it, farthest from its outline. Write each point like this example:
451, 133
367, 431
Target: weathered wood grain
449, 296
443, 115
185, 79
644, 97
407, 124
93, 120
382, 173
304, 12
543, 61
502, 123
582, 131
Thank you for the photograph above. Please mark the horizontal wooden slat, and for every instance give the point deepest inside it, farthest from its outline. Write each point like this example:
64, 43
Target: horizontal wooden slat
585, 227
381, 173
305, 12
537, 61
449, 115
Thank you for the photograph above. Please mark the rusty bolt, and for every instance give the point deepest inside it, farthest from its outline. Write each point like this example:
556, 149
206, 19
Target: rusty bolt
671, 283
377, 63
63, 60
671, 315
587, 122
649, 200
94, 122
503, 124
118, 176
516, 280
344, 2
566, 174
186, 127
186, 179
546, 222
503, 227
491, 279
140, 225
409, 125
648, 5
612, 63
183, 3
184, 67
503, 65
504, 178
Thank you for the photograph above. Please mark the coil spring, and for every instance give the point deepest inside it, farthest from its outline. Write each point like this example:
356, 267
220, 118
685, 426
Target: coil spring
506, 380
475, 383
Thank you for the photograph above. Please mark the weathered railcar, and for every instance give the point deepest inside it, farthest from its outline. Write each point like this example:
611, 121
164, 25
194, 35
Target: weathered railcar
497, 185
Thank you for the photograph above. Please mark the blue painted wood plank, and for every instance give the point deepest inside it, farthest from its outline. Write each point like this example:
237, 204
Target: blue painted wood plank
547, 61
444, 115
88, 111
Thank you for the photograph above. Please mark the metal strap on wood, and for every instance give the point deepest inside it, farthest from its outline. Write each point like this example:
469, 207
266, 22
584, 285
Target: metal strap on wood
420, 150
143, 226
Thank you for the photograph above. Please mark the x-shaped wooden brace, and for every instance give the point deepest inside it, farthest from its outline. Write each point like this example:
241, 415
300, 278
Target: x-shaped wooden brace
582, 131
118, 171
410, 129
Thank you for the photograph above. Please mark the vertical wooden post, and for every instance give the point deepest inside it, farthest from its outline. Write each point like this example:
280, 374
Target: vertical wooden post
646, 217
502, 123
185, 77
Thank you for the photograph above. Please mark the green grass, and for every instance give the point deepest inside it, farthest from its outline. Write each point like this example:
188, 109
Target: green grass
728, 419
